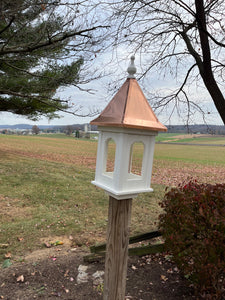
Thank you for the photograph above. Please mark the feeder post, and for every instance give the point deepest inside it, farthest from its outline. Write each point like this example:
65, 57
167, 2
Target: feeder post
119, 216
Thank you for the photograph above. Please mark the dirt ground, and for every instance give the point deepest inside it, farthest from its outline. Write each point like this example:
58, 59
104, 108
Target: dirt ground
54, 274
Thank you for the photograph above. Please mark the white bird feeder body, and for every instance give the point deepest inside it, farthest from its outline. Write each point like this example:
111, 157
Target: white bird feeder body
121, 183
128, 119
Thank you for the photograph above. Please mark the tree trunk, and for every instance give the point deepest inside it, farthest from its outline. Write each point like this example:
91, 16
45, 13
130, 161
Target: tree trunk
206, 72
215, 93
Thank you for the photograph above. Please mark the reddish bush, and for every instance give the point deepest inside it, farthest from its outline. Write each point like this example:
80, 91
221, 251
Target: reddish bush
193, 226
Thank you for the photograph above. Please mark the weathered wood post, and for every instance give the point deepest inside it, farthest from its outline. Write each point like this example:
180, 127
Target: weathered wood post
117, 248
127, 120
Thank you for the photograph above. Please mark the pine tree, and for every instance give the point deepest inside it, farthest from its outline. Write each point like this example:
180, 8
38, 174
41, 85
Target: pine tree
40, 47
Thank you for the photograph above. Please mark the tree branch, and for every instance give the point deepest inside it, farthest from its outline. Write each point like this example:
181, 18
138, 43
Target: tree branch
29, 49
191, 48
39, 98
7, 26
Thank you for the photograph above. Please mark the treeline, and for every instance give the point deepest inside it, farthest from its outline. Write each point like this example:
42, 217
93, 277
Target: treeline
201, 128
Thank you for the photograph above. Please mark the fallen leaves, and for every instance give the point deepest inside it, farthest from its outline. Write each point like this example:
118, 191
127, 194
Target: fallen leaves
20, 239
51, 244
20, 278
47, 245
172, 175
173, 270
58, 243
8, 255
163, 278
66, 273
3, 246
37, 280
53, 258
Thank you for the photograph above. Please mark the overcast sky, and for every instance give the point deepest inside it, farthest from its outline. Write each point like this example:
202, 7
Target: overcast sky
115, 62
101, 96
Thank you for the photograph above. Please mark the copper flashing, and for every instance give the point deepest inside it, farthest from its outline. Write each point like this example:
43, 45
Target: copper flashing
129, 108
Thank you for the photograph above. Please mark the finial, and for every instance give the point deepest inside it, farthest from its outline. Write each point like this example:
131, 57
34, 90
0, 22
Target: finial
131, 69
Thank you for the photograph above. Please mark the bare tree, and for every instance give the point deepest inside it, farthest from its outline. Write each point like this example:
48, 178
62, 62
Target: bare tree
184, 39
35, 129
69, 130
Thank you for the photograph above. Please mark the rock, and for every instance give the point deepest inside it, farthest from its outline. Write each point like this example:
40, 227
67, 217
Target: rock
82, 276
98, 277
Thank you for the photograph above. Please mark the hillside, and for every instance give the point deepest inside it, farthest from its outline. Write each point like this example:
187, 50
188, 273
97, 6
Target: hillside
199, 128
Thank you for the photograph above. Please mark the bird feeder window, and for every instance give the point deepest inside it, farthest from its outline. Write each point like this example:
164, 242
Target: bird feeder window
110, 160
136, 158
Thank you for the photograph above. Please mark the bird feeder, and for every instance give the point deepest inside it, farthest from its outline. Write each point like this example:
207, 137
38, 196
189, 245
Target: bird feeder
127, 120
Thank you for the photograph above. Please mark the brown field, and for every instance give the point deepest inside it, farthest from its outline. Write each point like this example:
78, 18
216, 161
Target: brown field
172, 164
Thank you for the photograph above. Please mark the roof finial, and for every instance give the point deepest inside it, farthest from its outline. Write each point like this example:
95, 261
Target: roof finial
131, 69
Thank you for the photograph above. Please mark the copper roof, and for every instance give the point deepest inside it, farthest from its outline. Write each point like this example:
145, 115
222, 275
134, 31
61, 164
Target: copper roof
129, 108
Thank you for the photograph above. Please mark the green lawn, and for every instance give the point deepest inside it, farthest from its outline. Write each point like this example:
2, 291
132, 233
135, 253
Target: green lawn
190, 138
206, 155
46, 191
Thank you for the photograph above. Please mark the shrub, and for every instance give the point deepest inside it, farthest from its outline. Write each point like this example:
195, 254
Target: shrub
193, 226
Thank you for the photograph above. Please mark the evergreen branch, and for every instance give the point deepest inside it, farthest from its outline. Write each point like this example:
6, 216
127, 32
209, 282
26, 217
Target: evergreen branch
38, 98
50, 41
7, 26
24, 71
45, 102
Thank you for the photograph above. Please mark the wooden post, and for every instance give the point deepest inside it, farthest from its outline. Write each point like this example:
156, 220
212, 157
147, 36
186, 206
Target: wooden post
117, 249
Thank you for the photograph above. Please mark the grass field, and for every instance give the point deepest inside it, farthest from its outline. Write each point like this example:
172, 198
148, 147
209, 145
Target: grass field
191, 138
46, 194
